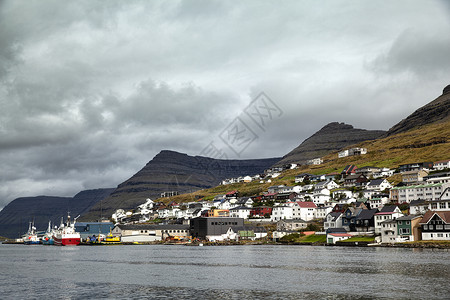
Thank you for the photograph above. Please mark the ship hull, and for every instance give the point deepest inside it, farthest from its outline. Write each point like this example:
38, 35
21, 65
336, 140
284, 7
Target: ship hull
66, 241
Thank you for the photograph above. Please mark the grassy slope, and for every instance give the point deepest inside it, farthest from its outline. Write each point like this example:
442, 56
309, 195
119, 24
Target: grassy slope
427, 143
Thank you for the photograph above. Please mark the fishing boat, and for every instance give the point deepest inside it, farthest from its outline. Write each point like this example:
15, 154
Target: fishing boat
31, 237
47, 239
111, 239
66, 235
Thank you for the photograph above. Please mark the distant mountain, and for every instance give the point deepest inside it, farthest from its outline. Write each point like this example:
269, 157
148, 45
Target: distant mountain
436, 111
15, 216
331, 137
172, 171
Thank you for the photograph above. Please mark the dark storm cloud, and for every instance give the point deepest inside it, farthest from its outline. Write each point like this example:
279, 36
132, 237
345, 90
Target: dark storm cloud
92, 90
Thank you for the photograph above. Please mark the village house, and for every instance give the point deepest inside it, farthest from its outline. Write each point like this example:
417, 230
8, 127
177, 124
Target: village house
415, 166
418, 207
261, 211
443, 177
314, 161
214, 229
414, 176
304, 210
321, 196
384, 172
332, 220
216, 213
435, 225
348, 170
351, 152
378, 185
282, 212
329, 184
428, 192
367, 171
355, 180
332, 238
441, 165
240, 212
141, 233
302, 177
291, 224
408, 228
322, 211
378, 202
389, 231
387, 213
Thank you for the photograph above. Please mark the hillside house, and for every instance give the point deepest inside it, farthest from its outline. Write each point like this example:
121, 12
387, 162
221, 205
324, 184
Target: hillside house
367, 171
291, 224
387, 213
302, 177
411, 177
378, 185
332, 220
441, 165
304, 210
314, 161
261, 211
415, 167
355, 180
282, 212
240, 212
348, 170
436, 225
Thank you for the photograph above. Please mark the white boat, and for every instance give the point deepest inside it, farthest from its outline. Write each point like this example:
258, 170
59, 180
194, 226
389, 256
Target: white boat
31, 237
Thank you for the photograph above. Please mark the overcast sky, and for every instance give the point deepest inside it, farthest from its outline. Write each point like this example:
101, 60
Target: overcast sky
93, 90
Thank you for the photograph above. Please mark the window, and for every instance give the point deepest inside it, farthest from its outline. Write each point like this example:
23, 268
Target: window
408, 222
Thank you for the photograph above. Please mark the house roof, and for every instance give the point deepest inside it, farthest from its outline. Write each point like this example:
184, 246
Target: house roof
444, 215
340, 234
306, 204
417, 202
367, 214
376, 182
231, 192
388, 208
408, 218
336, 230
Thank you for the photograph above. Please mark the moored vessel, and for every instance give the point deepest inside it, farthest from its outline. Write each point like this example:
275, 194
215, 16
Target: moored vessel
31, 237
66, 235
47, 239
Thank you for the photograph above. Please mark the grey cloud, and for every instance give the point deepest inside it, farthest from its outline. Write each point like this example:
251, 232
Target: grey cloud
419, 53
92, 90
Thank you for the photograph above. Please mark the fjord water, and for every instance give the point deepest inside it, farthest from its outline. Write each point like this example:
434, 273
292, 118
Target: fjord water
222, 272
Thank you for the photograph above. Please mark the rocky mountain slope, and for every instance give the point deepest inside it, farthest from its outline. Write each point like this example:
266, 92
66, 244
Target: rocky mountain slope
15, 216
331, 137
172, 171
437, 110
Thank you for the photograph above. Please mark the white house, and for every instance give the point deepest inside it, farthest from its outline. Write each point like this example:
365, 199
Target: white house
304, 210
428, 192
388, 231
321, 196
378, 185
386, 213
329, 184
281, 212
443, 164
240, 212
332, 238
322, 212
314, 161
333, 220
378, 202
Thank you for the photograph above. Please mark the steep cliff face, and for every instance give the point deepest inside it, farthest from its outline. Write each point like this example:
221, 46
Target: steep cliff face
331, 137
437, 110
15, 216
173, 171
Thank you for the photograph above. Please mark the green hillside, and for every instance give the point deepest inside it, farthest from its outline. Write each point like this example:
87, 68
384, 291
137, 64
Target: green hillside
426, 143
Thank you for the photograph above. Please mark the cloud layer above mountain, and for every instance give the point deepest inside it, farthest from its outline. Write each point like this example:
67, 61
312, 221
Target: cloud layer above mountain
92, 90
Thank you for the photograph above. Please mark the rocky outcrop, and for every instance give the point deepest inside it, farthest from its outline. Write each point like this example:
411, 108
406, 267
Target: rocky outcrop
331, 137
15, 216
434, 112
172, 171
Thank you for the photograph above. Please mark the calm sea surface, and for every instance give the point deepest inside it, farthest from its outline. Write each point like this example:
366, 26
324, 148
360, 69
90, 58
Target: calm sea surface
222, 272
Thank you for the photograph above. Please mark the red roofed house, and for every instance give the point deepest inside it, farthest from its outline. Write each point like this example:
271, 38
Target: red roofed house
332, 238
232, 194
304, 210
436, 225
